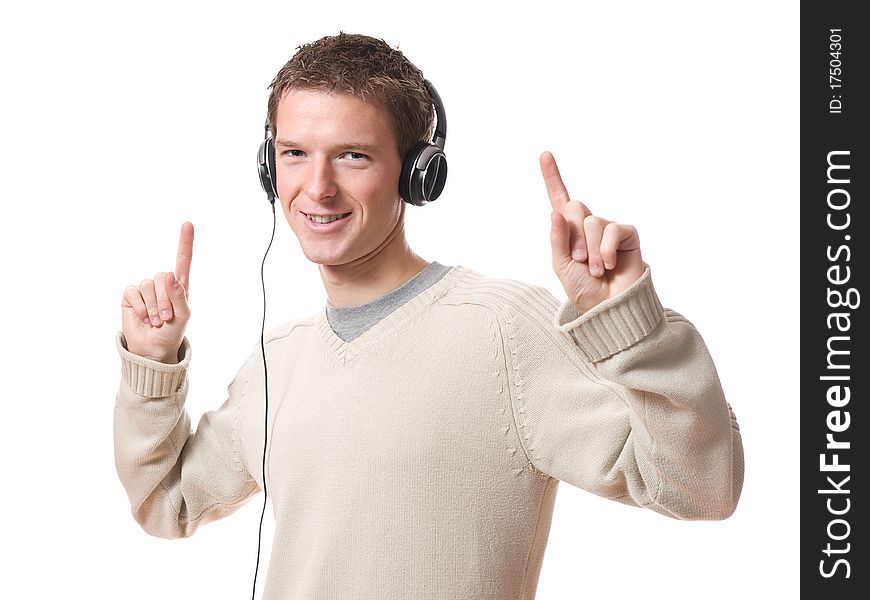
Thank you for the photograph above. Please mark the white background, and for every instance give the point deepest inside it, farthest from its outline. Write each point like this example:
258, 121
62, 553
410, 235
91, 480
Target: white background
122, 120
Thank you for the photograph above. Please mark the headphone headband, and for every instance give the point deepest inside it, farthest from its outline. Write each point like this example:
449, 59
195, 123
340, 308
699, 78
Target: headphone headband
440, 135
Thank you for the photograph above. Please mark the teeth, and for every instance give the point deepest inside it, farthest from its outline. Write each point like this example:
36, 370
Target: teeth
326, 219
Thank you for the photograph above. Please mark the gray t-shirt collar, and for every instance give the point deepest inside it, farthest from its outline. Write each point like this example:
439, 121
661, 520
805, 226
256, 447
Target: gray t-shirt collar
350, 322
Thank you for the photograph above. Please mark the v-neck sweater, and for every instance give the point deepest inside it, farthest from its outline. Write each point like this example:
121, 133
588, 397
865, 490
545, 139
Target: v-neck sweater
422, 459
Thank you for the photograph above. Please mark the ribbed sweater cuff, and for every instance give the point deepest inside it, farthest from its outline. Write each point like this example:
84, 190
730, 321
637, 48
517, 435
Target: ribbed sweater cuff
615, 324
150, 378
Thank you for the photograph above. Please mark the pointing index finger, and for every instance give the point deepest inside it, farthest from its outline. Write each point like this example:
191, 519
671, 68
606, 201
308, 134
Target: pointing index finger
553, 179
185, 255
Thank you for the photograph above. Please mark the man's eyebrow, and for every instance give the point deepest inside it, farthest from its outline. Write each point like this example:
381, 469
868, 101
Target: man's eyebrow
358, 147
348, 146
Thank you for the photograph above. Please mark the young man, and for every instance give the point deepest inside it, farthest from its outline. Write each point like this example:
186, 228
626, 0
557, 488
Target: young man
420, 424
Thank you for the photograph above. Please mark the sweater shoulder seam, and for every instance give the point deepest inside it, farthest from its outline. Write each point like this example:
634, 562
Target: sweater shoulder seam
278, 333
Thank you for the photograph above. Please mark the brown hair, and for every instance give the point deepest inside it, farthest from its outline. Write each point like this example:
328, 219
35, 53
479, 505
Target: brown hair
366, 68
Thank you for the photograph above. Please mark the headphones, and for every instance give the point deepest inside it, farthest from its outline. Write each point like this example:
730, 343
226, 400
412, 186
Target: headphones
424, 168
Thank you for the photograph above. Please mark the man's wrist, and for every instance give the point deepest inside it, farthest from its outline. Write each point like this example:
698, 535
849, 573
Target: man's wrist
171, 358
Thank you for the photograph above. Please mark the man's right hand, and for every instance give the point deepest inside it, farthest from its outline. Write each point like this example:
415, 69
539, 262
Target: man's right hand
155, 313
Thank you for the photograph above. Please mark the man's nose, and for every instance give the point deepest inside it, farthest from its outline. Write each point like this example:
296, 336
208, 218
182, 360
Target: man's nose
320, 180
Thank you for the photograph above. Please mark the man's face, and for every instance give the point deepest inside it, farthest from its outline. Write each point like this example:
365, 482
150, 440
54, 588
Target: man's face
337, 166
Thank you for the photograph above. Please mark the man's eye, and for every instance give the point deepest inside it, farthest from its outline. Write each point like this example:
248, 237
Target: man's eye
293, 153
355, 155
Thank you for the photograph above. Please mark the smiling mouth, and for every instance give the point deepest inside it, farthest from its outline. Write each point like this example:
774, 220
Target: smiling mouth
325, 218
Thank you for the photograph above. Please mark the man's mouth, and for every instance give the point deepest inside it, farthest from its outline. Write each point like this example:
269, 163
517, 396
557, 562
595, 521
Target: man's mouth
325, 218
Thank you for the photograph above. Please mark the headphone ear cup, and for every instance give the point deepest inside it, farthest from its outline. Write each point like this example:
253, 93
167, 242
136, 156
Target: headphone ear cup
424, 173
266, 169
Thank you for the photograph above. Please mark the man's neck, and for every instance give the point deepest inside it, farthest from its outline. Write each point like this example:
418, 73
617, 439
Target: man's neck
370, 278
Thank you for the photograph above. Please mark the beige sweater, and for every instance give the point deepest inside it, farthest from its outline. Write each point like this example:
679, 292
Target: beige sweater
421, 460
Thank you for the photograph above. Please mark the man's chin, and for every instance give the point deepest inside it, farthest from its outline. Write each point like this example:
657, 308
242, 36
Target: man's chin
325, 259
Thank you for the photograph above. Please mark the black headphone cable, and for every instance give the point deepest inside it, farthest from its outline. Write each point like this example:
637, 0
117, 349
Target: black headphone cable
266, 418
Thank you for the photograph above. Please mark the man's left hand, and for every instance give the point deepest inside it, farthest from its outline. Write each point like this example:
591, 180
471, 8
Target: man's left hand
595, 259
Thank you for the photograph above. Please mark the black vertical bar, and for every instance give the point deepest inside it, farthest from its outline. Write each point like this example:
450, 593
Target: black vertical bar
834, 174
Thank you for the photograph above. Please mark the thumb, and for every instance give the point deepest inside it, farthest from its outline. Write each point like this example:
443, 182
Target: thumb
560, 239
178, 296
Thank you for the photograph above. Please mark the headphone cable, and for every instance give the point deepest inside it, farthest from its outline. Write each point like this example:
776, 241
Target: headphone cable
266, 420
